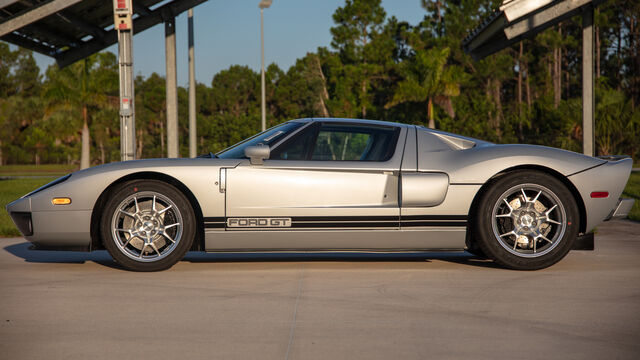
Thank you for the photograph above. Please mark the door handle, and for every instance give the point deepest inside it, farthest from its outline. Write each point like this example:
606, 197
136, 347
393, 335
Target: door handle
223, 180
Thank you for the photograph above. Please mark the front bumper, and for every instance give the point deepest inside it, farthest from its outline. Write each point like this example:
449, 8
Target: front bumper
23, 222
622, 209
52, 228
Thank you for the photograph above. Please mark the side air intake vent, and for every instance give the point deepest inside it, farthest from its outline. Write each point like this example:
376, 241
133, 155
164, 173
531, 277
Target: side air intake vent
456, 142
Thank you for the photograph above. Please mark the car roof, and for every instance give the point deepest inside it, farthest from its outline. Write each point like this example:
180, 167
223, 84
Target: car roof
353, 121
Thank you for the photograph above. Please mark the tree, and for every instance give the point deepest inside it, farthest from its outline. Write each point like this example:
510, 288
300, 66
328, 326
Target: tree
235, 107
617, 125
20, 107
302, 91
428, 79
235, 90
81, 88
359, 23
150, 116
376, 67
7, 61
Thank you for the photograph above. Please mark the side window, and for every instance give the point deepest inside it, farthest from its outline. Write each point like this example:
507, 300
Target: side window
340, 142
271, 136
341, 145
347, 142
297, 148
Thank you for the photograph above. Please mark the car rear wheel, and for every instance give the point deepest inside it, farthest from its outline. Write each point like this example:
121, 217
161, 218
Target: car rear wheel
147, 225
527, 220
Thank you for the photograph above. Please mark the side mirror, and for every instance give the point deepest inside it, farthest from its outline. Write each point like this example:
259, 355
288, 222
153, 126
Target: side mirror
257, 154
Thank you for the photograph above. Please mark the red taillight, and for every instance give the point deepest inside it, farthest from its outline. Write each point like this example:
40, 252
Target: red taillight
599, 194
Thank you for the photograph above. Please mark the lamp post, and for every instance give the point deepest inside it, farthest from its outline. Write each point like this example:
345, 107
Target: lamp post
263, 5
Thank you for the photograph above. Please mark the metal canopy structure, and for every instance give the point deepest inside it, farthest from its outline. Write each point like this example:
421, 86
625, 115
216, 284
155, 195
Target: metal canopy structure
70, 30
516, 20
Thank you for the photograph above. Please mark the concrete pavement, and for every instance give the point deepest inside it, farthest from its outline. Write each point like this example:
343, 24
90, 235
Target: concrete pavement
62, 305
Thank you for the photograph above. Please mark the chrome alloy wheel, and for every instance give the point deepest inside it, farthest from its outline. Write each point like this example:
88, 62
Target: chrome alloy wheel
147, 226
529, 220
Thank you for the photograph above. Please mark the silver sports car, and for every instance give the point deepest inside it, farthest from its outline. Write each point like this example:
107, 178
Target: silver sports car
331, 185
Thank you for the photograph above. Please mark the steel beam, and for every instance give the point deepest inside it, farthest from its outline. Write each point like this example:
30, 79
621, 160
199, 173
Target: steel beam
41, 11
141, 9
28, 43
496, 27
192, 92
516, 9
54, 35
545, 18
5, 3
95, 31
171, 88
111, 37
588, 100
515, 24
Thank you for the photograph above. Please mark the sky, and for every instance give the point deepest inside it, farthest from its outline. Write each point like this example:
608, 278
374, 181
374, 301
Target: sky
227, 32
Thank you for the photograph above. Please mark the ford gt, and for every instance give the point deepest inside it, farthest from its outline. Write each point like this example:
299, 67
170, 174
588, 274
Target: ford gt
334, 185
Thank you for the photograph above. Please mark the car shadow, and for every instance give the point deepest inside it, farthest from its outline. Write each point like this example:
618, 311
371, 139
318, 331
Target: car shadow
102, 257
458, 257
22, 250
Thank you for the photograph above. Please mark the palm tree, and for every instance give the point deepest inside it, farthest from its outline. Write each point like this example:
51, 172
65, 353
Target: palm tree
427, 78
80, 88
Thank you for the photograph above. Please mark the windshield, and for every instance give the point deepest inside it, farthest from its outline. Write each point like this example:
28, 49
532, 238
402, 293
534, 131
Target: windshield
268, 137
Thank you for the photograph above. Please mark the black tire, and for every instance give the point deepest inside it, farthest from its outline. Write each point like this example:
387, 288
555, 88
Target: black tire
526, 220
147, 225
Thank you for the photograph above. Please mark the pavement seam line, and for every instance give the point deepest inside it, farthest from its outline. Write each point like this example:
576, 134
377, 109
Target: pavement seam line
295, 313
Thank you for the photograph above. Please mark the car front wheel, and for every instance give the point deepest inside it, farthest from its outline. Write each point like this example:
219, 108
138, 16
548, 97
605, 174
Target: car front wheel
147, 225
527, 220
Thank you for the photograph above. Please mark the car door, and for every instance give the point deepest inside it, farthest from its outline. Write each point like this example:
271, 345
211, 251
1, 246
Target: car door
339, 175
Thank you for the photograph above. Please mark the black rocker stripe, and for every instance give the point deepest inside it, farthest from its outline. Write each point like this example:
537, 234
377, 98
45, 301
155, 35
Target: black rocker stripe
345, 221
215, 222
379, 221
343, 224
343, 218
359, 221
434, 217
434, 220
433, 223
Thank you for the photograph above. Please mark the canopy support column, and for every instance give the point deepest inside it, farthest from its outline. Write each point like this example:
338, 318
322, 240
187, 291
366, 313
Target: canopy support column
192, 92
172, 88
588, 147
127, 110
122, 12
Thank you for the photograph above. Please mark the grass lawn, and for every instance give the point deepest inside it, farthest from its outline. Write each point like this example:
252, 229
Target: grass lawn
39, 170
11, 190
633, 190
